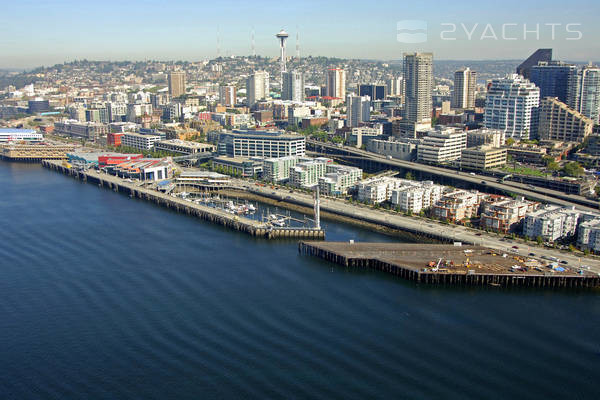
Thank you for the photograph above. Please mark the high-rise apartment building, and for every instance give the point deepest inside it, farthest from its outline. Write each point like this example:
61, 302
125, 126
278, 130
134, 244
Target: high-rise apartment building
560, 122
395, 87
292, 87
358, 110
418, 76
257, 87
465, 83
176, 83
227, 95
512, 106
556, 79
336, 83
588, 92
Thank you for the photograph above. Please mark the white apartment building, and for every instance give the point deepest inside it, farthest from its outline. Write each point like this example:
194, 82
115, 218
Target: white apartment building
551, 223
465, 82
338, 179
139, 141
336, 83
278, 169
588, 92
257, 87
395, 86
358, 110
588, 236
442, 145
306, 174
377, 190
512, 106
415, 196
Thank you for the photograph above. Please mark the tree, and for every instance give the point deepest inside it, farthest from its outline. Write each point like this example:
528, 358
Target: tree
553, 166
573, 169
409, 176
547, 160
510, 141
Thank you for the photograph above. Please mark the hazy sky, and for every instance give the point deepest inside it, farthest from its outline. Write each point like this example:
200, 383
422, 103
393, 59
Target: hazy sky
45, 32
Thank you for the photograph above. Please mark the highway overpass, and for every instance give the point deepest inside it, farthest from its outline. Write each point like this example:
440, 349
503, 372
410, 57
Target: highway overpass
488, 183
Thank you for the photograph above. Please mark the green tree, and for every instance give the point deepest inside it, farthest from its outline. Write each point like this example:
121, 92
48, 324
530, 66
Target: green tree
409, 176
510, 141
573, 169
547, 160
553, 166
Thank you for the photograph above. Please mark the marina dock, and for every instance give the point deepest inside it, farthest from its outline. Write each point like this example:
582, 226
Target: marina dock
214, 215
449, 264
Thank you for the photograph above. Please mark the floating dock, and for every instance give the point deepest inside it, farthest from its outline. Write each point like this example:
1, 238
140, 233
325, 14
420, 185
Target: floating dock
448, 264
214, 215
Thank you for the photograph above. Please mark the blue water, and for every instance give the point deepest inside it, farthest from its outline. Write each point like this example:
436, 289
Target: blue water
107, 297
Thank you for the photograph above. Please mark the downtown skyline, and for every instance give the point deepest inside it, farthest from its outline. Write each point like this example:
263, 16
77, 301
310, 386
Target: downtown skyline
64, 31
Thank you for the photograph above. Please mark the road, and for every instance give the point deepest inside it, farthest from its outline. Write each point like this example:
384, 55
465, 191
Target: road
539, 194
454, 232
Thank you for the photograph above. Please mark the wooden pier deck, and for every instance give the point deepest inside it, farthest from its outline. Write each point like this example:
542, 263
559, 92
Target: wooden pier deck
214, 215
462, 265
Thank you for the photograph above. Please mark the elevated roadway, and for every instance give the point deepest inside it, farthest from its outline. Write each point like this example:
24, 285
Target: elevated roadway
481, 181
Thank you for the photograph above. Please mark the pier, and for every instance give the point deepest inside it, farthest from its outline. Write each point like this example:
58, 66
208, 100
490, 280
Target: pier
214, 215
451, 265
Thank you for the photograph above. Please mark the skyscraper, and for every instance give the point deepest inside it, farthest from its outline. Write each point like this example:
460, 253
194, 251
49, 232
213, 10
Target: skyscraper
336, 83
227, 95
176, 83
465, 82
374, 91
358, 110
512, 106
556, 79
293, 86
524, 68
588, 93
418, 77
257, 87
395, 86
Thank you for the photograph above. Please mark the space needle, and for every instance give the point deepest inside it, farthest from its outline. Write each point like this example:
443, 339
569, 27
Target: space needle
282, 36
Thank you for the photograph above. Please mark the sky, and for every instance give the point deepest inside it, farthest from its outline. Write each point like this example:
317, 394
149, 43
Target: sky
42, 32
